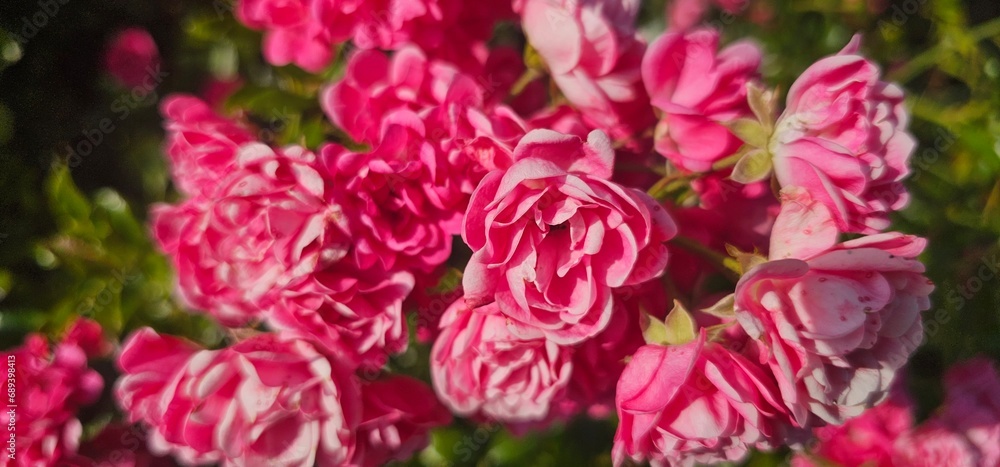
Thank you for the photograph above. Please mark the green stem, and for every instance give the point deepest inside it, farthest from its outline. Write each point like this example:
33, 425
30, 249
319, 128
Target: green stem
663, 186
928, 58
522, 82
728, 266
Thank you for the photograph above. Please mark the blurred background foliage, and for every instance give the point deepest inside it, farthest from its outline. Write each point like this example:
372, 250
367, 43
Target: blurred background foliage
73, 237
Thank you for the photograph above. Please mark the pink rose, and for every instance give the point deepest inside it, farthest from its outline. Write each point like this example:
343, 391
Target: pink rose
698, 90
598, 362
934, 445
293, 33
838, 320
373, 85
866, 440
551, 237
304, 32
273, 243
695, 402
397, 417
457, 109
267, 226
133, 58
201, 145
453, 30
562, 118
52, 385
972, 407
479, 367
434, 131
843, 137
263, 400
594, 56
356, 313
394, 225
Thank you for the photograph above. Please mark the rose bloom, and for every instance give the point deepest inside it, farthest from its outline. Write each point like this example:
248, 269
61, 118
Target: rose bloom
453, 30
202, 146
698, 88
480, 368
866, 440
52, 385
268, 226
843, 137
394, 225
302, 32
264, 400
935, 445
598, 362
356, 313
972, 407
396, 420
132, 58
838, 320
695, 402
593, 54
461, 131
551, 237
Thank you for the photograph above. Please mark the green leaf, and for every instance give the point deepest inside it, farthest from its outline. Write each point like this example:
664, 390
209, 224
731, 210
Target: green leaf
724, 308
764, 104
746, 261
680, 327
750, 131
753, 167
70, 208
677, 329
654, 331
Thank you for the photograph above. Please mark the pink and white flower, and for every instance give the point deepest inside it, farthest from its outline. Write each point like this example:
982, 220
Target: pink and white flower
551, 237
695, 402
202, 145
932, 445
972, 407
52, 385
266, 399
838, 320
593, 54
480, 368
267, 226
698, 89
302, 32
397, 416
356, 313
866, 440
843, 137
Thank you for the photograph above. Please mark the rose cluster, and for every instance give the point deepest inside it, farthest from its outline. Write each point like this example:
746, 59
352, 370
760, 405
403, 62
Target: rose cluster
537, 208
964, 431
50, 384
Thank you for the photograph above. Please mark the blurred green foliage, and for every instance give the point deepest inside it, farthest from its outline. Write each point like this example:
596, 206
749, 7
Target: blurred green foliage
73, 239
